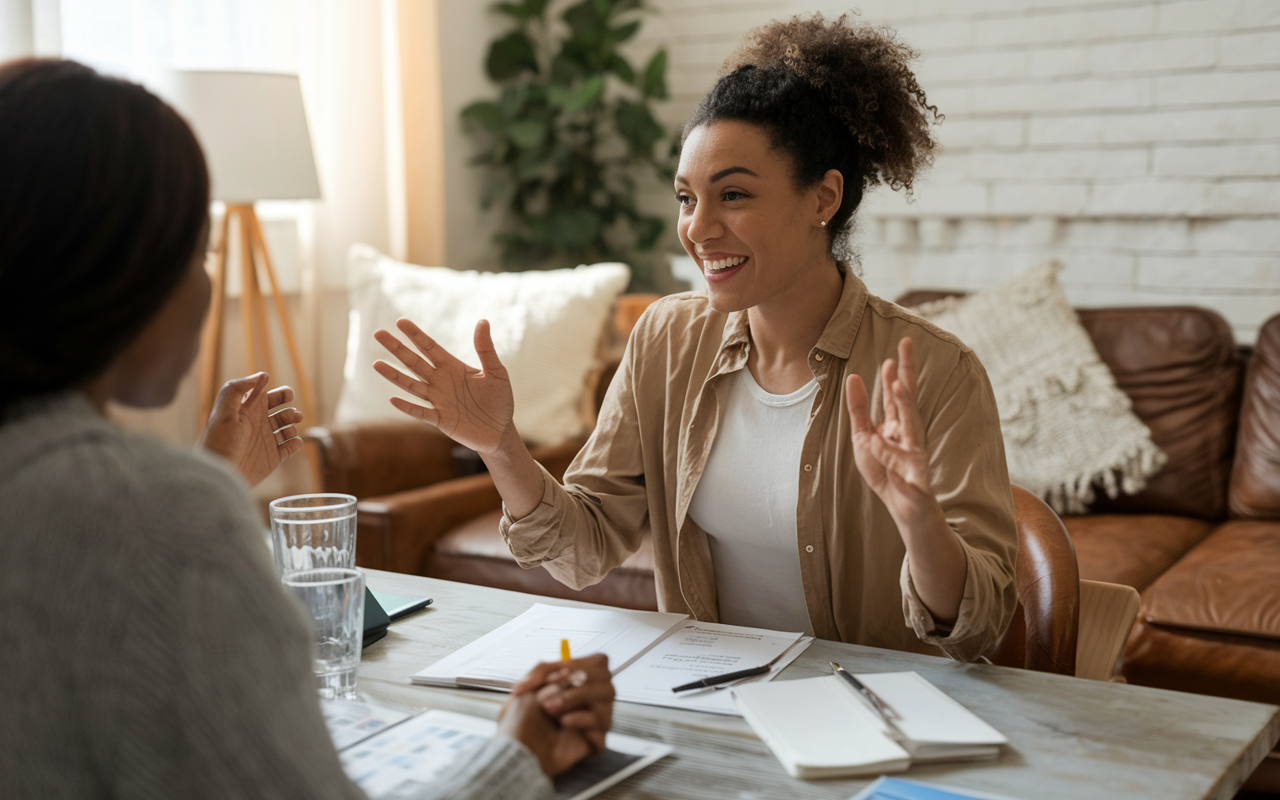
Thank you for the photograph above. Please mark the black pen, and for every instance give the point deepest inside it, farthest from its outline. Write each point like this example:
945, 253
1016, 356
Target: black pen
725, 678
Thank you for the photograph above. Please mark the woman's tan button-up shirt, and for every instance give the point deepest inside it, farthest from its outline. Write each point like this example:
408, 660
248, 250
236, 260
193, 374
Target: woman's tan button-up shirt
638, 472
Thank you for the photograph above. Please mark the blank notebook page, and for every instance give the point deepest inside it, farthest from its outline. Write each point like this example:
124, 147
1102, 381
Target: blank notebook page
818, 724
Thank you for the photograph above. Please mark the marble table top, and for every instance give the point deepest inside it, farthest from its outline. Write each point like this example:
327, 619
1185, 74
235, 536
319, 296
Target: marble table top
1069, 738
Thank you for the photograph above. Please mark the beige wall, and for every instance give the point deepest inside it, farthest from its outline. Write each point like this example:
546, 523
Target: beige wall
467, 27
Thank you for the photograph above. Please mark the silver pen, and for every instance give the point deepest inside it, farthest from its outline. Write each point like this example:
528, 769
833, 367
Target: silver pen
879, 706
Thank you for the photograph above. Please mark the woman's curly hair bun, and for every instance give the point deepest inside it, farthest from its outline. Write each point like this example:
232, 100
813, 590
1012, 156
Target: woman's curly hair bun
864, 72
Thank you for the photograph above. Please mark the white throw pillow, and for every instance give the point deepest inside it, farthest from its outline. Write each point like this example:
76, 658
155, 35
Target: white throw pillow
1066, 424
546, 328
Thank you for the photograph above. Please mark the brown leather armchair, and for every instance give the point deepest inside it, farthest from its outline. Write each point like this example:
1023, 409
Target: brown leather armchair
1042, 634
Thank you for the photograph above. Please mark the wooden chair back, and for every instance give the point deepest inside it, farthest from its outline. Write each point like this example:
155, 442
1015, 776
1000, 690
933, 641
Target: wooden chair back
1042, 635
1107, 612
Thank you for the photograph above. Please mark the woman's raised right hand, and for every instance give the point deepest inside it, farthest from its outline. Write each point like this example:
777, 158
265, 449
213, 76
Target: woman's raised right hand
471, 406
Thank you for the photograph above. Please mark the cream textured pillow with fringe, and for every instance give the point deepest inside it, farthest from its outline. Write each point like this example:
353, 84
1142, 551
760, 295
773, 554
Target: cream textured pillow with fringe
546, 327
1067, 426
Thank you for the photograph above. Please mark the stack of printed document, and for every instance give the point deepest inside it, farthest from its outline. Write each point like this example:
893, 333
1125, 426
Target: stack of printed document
650, 653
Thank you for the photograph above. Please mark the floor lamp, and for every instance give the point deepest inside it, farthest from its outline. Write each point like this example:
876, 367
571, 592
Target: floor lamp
253, 129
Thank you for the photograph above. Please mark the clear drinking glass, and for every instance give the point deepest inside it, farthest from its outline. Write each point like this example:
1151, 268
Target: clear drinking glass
335, 600
313, 531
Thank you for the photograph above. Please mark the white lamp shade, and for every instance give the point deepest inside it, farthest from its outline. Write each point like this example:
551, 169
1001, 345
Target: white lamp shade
253, 129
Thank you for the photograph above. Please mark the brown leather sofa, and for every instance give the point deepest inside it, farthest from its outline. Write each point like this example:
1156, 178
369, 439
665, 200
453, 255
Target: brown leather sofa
1201, 543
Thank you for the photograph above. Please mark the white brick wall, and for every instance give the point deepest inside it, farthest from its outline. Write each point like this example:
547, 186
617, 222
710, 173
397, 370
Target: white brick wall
1138, 141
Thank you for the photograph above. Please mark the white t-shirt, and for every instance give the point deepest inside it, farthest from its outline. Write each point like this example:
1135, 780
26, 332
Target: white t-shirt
746, 502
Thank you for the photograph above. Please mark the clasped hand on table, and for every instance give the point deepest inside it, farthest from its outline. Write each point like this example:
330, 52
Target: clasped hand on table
561, 711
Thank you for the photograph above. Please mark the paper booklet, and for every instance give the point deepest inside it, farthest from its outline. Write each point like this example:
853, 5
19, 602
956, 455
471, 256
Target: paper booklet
821, 728
649, 653
401, 758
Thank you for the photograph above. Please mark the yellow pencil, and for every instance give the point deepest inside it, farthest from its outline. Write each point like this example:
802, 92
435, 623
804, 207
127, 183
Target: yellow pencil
564, 650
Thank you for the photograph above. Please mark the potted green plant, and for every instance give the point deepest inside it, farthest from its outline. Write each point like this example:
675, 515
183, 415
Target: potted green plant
570, 134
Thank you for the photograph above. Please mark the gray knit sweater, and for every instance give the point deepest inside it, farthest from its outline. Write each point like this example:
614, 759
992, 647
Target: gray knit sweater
146, 648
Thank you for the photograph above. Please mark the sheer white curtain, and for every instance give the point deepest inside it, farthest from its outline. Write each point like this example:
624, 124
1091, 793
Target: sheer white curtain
345, 54
337, 49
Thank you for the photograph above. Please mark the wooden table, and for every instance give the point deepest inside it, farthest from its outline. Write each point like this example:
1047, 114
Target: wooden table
1070, 738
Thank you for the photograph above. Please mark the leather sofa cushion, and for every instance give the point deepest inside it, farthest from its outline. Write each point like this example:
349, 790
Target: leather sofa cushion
380, 457
1255, 481
1131, 549
480, 538
1243, 667
1181, 369
1229, 583
474, 552
621, 588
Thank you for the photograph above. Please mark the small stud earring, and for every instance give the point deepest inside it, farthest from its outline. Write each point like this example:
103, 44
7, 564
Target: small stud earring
822, 224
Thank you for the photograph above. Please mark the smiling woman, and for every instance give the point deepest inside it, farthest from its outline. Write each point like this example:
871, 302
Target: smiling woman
738, 431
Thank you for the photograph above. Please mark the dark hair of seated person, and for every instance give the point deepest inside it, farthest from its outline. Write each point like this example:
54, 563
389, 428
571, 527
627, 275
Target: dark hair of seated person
104, 198
831, 95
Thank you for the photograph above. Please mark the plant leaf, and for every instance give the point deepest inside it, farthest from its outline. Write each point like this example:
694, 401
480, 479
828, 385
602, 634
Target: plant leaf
527, 133
485, 114
530, 165
584, 20
587, 94
623, 6
647, 230
512, 103
655, 76
511, 55
559, 94
561, 156
495, 190
638, 127
622, 68
567, 66
625, 32
572, 228
518, 12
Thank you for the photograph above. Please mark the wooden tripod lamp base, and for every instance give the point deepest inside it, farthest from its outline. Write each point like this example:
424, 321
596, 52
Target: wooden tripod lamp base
254, 258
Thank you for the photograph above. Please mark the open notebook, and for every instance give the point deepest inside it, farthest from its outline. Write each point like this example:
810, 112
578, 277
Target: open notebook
820, 728
649, 653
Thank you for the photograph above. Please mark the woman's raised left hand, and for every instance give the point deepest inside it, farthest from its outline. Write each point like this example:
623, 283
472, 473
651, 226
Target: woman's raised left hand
892, 456
251, 427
